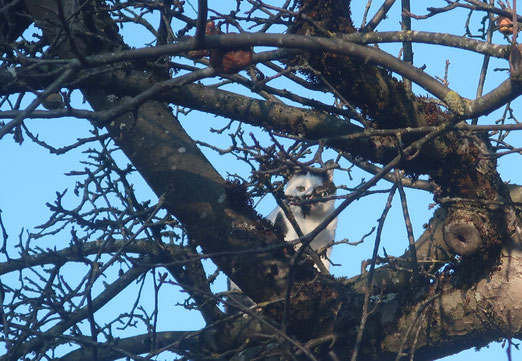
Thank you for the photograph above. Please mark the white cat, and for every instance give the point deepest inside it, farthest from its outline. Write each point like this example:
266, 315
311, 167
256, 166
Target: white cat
308, 215
303, 186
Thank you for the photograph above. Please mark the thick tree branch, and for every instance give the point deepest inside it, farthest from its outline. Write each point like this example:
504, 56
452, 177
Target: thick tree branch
194, 192
324, 44
136, 345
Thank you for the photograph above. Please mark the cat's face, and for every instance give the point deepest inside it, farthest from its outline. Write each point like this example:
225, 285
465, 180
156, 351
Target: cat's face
305, 186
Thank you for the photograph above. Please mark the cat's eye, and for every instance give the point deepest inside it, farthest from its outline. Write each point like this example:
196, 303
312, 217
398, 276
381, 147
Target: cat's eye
300, 188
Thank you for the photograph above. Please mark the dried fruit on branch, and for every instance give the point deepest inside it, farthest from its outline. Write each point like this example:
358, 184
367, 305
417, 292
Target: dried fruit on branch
226, 61
505, 26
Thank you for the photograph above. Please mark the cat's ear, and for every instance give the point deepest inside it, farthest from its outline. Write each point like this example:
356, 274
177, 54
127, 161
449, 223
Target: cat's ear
330, 166
290, 173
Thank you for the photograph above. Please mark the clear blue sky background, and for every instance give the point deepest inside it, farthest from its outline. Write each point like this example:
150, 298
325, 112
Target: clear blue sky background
31, 176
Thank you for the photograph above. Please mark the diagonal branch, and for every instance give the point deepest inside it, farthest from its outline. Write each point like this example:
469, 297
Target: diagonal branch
130, 346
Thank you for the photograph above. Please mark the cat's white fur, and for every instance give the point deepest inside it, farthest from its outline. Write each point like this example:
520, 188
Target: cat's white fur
308, 217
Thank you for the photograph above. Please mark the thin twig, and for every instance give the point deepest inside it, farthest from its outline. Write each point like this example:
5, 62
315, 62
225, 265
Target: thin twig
369, 280
378, 17
485, 62
409, 227
366, 9
418, 314
53, 87
406, 45
201, 22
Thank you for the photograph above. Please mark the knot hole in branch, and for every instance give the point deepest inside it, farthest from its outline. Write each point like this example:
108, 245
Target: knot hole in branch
462, 236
